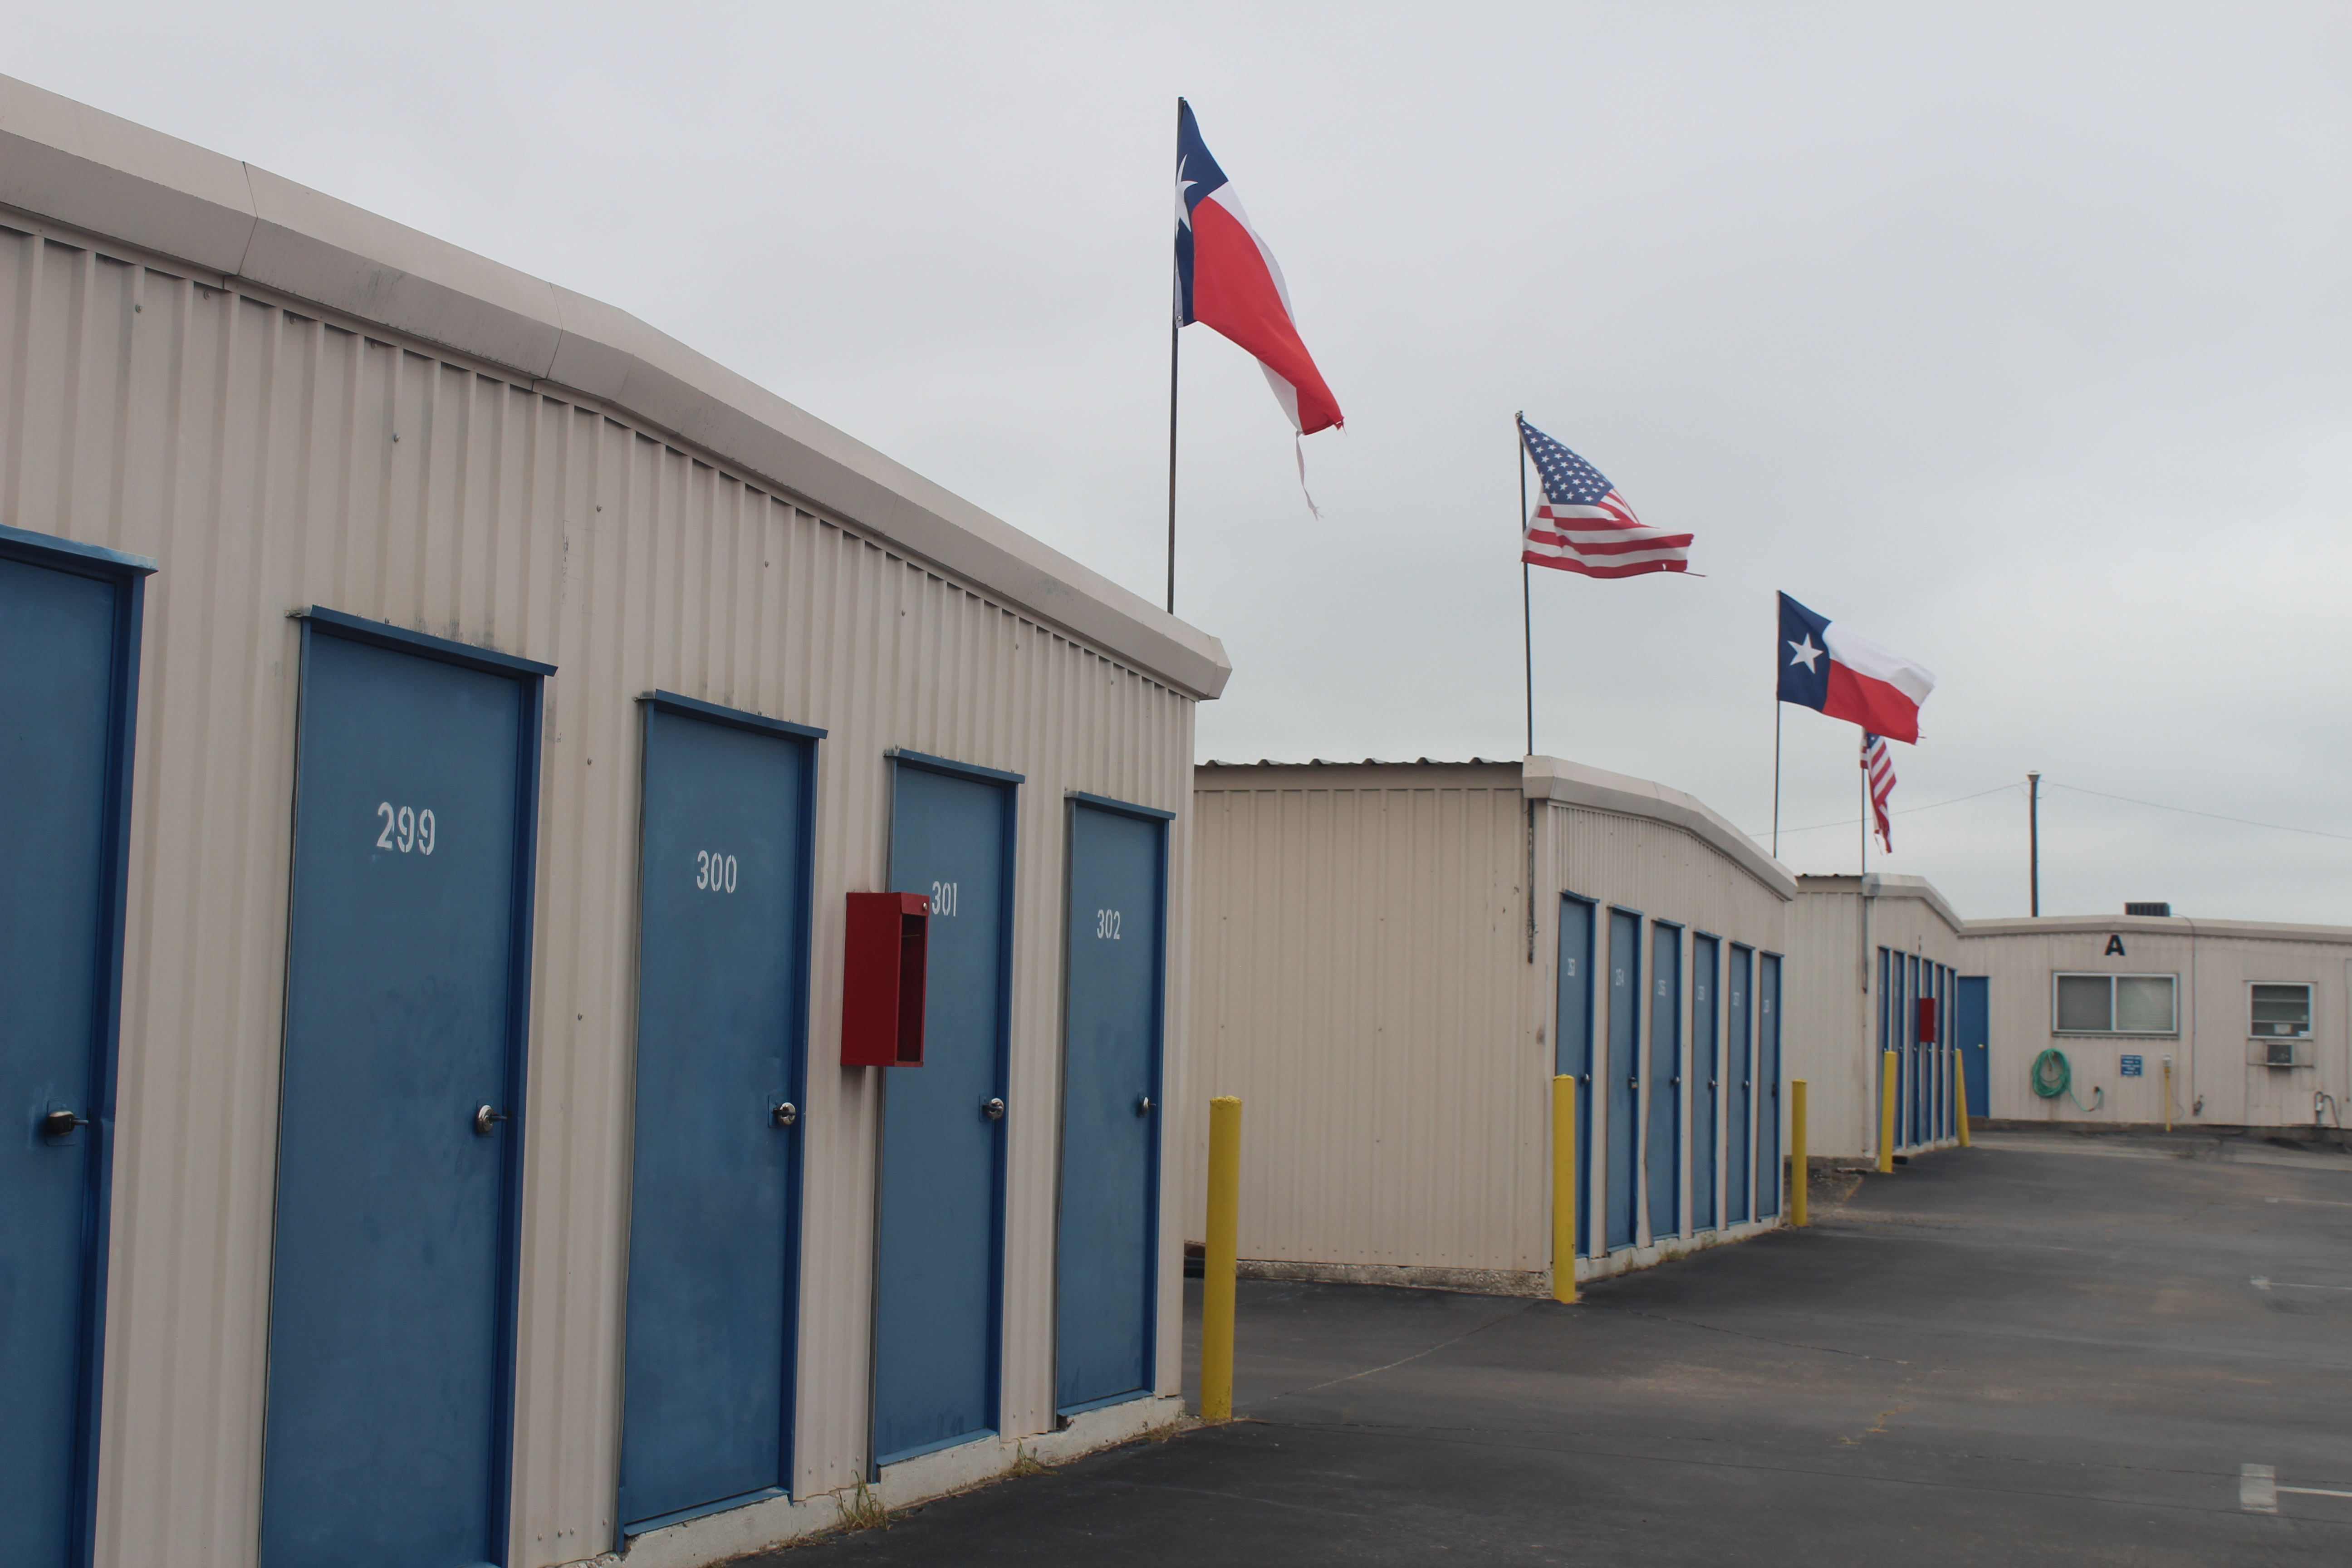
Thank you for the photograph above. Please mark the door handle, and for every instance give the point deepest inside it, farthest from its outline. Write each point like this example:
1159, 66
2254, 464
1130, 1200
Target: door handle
1710, 1083
1143, 1105
1633, 1083
486, 1117
59, 1125
992, 1108
1675, 1082
784, 1114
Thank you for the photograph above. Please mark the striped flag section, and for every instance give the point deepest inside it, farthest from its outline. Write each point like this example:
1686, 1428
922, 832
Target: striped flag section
1878, 765
1584, 526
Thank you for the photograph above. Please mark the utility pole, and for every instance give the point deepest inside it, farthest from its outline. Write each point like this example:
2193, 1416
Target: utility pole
2033, 838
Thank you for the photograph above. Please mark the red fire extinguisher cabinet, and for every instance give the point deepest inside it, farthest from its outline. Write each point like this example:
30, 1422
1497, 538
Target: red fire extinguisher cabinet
882, 986
1926, 1020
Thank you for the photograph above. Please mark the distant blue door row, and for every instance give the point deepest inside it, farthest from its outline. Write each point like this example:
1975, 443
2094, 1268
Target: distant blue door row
396, 1221
1728, 1058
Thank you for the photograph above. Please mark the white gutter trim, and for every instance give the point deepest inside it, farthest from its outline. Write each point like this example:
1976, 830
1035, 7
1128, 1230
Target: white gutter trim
68, 164
1573, 783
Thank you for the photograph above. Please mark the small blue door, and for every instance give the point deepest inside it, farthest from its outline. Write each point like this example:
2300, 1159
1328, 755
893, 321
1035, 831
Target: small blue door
1768, 1081
1915, 1052
68, 657
1664, 1145
1572, 1047
399, 1117
1625, 1072
1705, 1086
940, 1232
1739, 1077
1971, 1032
1114, 999
714, 1208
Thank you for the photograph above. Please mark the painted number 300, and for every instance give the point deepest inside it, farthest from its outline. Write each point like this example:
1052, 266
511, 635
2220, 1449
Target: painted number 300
406, 830
1107, 925
714, 873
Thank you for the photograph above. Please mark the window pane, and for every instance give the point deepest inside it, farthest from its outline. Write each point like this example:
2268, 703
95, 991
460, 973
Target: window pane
2082, 1001
2282, 1010
2144, 1004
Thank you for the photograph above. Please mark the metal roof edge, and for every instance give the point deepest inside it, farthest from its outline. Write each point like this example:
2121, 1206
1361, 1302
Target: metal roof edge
87, 170
1573, 783
2157, 925
1884, 885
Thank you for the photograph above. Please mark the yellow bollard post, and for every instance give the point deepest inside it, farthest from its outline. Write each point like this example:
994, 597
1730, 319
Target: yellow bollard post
1219, 1265
1800, 1172
1960, 1097
1563, 1188
1887, 1089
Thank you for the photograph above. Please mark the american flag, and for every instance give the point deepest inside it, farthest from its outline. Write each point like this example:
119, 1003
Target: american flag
1585, 526
1880, 769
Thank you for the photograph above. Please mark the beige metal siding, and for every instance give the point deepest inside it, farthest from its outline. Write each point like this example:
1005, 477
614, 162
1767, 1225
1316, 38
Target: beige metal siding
271, 459
1358, 963
2218, 1079
1671, 875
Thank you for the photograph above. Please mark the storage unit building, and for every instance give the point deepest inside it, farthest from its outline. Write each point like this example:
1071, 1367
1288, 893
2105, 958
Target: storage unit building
458, 717
1874, 968
2249, 1016
1392, 959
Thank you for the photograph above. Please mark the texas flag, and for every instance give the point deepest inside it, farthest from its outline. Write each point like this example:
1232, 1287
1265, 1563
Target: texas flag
1226, 277
1850, 677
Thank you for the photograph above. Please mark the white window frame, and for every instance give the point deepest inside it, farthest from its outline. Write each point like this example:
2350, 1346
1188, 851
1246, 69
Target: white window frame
2111, 1032
2310, 1009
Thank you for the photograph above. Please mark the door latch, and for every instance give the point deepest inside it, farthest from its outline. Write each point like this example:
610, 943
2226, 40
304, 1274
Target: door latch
59, 1125
1143, 1105
785, 1113
992, 1108
486, 1117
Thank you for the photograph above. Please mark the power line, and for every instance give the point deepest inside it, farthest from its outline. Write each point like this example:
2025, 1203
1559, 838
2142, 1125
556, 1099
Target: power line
2192, 811
1906, 811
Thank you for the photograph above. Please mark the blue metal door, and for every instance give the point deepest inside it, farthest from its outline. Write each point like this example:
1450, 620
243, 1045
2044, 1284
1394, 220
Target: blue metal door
722, 1011
390, 1296
1738, 1074
1105, 1246
68, 657
1768, 1081
1624, 1071
940, 1232
1664, 1142
1971, 1033
1706, 1080
1572, 1047
1913, 1061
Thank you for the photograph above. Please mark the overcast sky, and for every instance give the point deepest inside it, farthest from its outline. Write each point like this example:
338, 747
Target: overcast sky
2014, 338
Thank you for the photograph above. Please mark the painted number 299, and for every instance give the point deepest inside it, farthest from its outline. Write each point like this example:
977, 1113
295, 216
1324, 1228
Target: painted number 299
714, 873
1107, 925
406, 830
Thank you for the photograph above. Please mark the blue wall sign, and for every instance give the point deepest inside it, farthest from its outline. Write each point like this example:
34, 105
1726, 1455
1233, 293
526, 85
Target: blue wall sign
2134, 1067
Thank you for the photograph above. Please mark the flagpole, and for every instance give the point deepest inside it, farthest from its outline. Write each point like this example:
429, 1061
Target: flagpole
1864, 779
1776, 769
1175, 330
1527, 613
1175, 327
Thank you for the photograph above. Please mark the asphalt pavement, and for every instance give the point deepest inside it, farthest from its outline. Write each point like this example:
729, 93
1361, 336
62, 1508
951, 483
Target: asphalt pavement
2050, 1348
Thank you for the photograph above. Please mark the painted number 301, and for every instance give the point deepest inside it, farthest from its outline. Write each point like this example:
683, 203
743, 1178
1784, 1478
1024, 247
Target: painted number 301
406, 830
714, 873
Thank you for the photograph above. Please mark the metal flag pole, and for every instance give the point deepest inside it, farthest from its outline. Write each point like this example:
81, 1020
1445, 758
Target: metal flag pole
1776, 744
2033, 841
1175, 332
1864, 779
1527, 613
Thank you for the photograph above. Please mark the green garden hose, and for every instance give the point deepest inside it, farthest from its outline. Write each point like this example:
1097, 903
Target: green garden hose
2052, 1077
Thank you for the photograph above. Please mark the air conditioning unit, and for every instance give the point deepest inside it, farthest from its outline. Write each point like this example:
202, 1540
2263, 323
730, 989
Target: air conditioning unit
2278, 1053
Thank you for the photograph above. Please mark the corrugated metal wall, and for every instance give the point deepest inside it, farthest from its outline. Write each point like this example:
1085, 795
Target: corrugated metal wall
1366, 980
2212, 1056
272, 460
1360, 976
1833, 1002
1669, 875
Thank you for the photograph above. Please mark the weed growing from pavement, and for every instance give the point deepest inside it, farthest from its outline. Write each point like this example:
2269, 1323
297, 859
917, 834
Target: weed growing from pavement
861, 1510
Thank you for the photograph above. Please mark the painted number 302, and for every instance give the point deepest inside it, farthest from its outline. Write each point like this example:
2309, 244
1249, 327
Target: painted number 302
1107, 925
406, 830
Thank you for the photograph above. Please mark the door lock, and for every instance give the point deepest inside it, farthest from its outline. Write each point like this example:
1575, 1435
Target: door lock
785, 1114
1143, 1105
992, 1108
486, 1117
59, 1125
